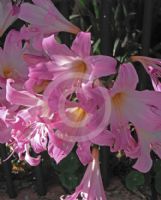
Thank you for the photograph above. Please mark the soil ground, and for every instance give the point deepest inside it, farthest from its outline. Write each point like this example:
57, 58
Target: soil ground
116, 191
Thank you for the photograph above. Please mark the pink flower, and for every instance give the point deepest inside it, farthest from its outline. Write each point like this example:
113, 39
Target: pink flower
152, 67
78, 59
91, 186
22, 135
33, 125
45, 17
11, 59
33, 106
58, 148
30, 134
8, 14
141, 108
83, 122
147, 142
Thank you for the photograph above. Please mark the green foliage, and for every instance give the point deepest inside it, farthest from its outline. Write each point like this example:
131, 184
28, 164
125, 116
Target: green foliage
69, 180
157, 177
69, 164
158, 181
134, 179
69, 171
82, 2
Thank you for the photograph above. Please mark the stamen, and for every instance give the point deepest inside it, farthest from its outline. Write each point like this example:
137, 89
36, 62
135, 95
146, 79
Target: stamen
7, 72
118, 99
80, 66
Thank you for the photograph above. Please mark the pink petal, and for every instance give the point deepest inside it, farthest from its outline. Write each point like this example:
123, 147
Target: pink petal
33, 59
8, 14
58, 149
52, 47
141, 111
84, 152
13, 38
47, 5
127, 78
82, 44
32, 14
19, 97
104, 139
102, 65
144, 161
5, 132
46, 17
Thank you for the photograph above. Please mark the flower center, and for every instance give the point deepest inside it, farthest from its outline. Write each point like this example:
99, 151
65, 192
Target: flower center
77, 114
7, 72
118, 99
80, 66
39, 88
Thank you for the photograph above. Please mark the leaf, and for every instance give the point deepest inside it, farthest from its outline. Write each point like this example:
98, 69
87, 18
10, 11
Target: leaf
116, 43
70, 164
96, 10
96, 46
157, 166
134, 179
158, 182
82, 2
69, 180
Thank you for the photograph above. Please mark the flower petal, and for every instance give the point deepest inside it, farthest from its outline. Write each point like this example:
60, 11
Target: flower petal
144, 161
19, 97
84, 152
127, 78
58, 149
52, 47
102, 65
82, 44
141, 111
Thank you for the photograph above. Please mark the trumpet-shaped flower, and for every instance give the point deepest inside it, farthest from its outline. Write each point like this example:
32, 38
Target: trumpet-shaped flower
147, 142
11, 59
141, 108
78, 58
83, 122
91, 186
8, 14
45, 17
152, 67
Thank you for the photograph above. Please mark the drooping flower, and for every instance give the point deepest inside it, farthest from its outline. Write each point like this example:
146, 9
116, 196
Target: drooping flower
141, 108
46, 18
91, 186
33, 125
78, 58
8, 14
27, 135
152, 67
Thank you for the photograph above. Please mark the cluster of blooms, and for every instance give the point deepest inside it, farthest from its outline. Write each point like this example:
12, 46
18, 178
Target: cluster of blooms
52, 97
